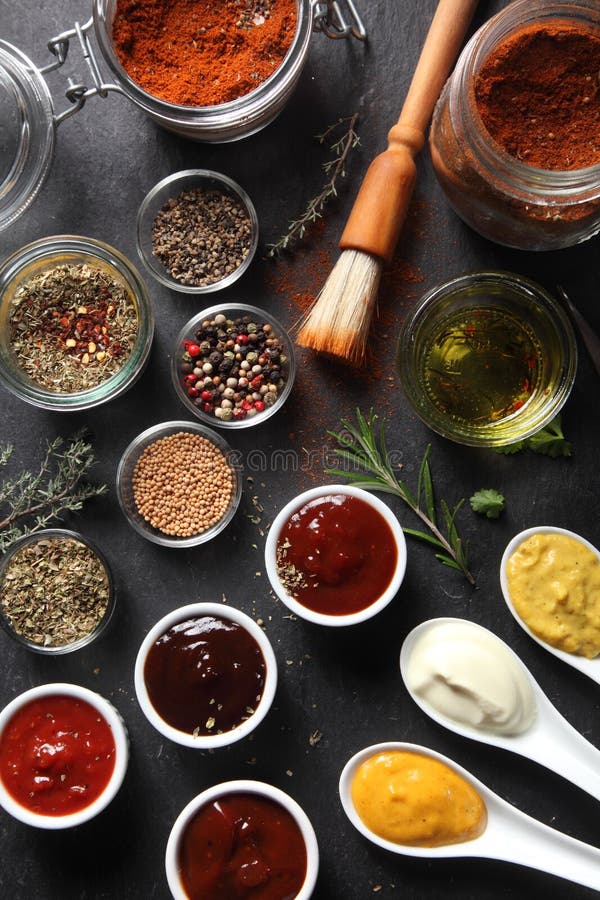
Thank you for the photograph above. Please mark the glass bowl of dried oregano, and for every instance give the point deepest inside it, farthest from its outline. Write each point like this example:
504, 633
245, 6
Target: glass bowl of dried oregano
197, 231
76, 323
56, 591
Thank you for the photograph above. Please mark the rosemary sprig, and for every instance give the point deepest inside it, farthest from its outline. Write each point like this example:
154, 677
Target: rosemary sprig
335, 168
31, 500
369, 467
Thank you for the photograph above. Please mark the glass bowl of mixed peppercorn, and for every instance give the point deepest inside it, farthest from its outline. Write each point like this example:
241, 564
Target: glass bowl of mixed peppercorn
197, 231
56, 591
76, 323
233, 365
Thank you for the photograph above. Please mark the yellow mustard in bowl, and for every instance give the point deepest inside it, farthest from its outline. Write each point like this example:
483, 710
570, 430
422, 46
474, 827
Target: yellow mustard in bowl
412, 799
554, 586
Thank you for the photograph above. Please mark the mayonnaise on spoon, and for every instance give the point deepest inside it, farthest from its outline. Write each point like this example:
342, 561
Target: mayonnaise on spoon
501, 705
509, 834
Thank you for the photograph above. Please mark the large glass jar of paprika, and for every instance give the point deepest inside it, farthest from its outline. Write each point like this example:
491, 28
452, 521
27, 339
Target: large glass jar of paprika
490, 183
29, 118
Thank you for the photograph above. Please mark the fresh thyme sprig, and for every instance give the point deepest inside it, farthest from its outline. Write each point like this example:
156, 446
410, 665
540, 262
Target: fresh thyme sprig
370, 468
31, 500
335, 168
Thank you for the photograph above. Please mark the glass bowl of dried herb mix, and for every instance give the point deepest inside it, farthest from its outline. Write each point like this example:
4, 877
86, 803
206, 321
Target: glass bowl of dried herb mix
56, 591
179, 484
197, 231
233, 365
76, 323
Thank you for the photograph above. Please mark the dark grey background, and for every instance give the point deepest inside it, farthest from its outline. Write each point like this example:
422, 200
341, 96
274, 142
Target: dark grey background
346, 684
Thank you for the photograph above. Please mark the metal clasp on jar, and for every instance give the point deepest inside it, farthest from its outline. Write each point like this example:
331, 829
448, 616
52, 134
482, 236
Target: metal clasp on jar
339, 19
77, 94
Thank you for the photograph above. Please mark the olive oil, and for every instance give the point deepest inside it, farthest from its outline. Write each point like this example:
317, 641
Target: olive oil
482, 365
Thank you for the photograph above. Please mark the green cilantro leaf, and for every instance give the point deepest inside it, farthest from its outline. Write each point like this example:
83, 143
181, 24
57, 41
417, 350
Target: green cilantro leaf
550, 440
487, 502
509, 449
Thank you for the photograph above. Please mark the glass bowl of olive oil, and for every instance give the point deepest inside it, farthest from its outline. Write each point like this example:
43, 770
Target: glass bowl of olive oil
487, 358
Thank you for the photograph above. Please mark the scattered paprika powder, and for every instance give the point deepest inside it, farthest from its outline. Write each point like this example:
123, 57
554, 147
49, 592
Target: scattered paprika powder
538, 95
202, 52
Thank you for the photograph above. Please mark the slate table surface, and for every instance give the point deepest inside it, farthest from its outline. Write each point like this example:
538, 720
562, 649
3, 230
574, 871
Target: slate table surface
343, 684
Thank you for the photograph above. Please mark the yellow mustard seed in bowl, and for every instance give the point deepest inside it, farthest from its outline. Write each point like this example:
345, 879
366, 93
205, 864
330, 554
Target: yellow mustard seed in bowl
182, 484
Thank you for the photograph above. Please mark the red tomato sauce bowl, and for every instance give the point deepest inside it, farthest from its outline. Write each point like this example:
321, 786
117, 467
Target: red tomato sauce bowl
64, 752
335, 555
242, 839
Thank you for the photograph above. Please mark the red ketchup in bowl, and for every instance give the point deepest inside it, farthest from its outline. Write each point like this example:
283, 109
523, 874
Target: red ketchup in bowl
57, 755
242, 846
336, 555
205, 675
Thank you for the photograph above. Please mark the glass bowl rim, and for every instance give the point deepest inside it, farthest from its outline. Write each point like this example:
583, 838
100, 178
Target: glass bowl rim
205, 117
154, 433
521, 287
223, 308
103, 623
109, 256
179, 180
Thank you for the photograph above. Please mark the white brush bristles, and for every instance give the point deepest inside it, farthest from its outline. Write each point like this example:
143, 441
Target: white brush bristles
338, 322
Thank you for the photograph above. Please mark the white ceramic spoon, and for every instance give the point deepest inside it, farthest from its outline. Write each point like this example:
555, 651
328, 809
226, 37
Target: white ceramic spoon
589, 667
510, 834
550, 740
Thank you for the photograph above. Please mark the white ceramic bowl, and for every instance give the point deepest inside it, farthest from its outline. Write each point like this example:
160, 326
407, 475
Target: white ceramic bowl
311, 615
589, 667
245, 787
206, 741
119, 732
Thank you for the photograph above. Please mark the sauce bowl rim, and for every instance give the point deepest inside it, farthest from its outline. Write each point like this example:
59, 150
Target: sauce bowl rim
119, 732
245, 786
201, 741
324, 618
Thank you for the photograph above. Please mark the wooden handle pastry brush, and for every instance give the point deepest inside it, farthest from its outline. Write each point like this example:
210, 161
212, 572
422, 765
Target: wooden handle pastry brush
338, 323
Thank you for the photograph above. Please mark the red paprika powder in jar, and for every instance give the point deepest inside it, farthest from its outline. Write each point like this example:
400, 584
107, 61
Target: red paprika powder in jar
202, 52
515, 137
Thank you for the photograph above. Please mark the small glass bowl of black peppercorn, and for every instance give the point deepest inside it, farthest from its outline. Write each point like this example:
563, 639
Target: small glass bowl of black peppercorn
197, 231
56, 591
233, 365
